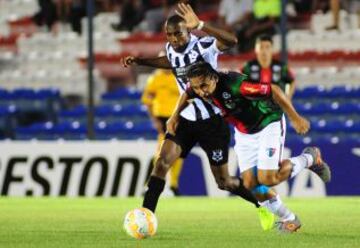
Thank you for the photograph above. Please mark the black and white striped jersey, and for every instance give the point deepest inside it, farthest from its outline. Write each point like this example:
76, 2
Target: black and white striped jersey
198, 49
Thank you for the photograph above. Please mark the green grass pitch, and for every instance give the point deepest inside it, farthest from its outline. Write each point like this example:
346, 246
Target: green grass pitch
183, 222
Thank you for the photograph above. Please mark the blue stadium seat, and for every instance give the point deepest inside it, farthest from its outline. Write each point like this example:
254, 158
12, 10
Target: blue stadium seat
122, 96
355, 92
119, 130
75, 114
310, 92
73, 130
41, 131
345, 108
340, 91
6, 98
351, 126
7, 121
326, 126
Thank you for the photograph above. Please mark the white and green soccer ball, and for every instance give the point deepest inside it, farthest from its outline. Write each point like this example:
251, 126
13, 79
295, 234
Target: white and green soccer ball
140, 223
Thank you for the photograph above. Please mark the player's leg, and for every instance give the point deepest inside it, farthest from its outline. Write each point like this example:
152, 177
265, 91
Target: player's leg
272, 172
214, 139
169, 152
175, 168
172, 148
174, 173
232, 184
270, 152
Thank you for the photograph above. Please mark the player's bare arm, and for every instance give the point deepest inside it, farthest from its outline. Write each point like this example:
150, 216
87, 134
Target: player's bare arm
224, 40
290, 89
300, 124
157, 62
181, 104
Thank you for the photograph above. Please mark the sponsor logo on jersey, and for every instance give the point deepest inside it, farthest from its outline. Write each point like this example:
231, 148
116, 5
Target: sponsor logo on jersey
250, 89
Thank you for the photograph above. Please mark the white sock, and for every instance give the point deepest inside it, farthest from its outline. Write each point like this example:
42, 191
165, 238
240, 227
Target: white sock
300, 162
275, 206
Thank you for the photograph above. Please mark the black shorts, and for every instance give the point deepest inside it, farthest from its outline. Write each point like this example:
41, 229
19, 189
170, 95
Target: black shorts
213, 136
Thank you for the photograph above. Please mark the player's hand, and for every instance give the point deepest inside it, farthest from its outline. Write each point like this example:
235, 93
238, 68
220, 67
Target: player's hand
128, 61
186, 12
172, 124
300, 124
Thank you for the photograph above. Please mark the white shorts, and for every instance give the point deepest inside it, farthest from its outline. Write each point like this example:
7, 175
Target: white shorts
263, 149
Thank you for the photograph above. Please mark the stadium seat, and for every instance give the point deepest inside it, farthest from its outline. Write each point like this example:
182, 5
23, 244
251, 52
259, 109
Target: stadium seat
70, 130
310, 92
344, 108
75, 114
339, 91
41, 131
7, 121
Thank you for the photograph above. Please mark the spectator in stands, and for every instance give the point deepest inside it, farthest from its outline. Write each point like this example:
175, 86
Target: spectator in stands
160, 96
233, 14
266, 14
303, 6
352, 6
47, 14
155, 18
131, 14
77, 12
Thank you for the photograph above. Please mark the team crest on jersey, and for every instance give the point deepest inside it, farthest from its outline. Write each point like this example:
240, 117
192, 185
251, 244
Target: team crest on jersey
217, 155
226, 95
271, 151
193, 56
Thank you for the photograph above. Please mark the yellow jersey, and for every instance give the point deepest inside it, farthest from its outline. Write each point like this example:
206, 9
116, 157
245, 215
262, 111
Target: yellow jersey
161, 93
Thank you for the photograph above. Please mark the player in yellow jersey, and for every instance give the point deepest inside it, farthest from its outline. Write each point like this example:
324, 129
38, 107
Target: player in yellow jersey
160, 96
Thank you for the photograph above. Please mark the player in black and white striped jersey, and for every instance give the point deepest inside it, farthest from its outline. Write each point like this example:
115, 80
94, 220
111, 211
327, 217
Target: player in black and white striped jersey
200, 122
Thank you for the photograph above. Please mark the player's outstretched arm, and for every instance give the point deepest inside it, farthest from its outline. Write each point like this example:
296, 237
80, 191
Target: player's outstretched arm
300, 124
173, 121
157, 62
224, 39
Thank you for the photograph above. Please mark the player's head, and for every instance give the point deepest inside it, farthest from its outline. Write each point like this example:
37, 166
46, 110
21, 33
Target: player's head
264, 49
177, 33
203, 79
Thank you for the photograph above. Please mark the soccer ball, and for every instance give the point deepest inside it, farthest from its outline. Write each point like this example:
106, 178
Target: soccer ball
140, 223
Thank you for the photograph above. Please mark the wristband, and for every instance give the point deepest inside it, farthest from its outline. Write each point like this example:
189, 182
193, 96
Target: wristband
201, 25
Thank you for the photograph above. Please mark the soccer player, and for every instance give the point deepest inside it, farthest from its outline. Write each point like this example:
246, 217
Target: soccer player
160, 96
266, 69
200, 122
258, 133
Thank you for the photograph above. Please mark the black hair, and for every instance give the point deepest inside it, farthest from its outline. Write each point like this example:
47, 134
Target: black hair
201, 69
174, 20
264, 37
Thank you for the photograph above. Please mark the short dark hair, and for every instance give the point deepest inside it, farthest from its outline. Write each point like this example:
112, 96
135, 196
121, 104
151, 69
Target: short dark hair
264, 37
174, 20
201, 69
